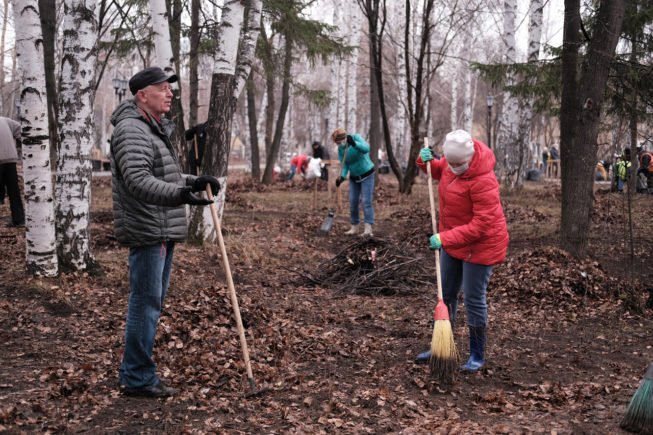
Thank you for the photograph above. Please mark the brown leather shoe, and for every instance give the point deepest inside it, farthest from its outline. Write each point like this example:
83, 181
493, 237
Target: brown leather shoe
158, 390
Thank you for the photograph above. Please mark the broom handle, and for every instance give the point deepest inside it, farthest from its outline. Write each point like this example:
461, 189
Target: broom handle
232, 289
340, 166
434, 222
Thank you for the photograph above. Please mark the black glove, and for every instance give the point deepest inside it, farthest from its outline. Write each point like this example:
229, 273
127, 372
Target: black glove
200, 183
351, 141
190, 198
339, 180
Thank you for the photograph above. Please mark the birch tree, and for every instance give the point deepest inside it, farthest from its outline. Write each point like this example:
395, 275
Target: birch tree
3, 33
229, 77
41, 256
334, 121
166, 60
400, 126
352, 85
534, 40
76, 96
509, 149
161, 29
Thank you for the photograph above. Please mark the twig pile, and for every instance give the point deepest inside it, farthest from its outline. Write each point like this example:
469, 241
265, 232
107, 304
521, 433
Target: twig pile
373, 266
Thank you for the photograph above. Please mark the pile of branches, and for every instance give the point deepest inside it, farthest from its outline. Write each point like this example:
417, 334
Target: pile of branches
373, 266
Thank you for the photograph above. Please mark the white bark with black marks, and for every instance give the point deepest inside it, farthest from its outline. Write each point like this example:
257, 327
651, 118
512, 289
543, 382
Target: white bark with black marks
41, 255
509, 144
76, 96
161, 29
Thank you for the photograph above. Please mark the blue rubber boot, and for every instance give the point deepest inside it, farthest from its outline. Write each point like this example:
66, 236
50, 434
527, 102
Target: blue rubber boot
423, 358
477, 341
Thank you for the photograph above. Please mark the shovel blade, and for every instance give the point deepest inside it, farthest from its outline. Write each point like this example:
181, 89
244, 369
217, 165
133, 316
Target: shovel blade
328, 222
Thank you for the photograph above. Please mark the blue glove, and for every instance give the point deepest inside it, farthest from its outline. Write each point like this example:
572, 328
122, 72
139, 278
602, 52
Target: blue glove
426, 155
339, 180
434, 240
351, 141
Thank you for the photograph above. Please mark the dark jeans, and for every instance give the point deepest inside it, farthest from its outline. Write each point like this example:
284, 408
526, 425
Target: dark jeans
149, 277
473, 279
9, 180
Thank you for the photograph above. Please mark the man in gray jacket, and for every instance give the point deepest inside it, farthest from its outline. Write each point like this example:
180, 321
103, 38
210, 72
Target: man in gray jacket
9, 134
149, 197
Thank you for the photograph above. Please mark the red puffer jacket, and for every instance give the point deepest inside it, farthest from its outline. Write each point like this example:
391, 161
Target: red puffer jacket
472, 224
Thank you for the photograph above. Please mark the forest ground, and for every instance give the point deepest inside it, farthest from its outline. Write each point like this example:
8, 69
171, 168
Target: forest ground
569, 340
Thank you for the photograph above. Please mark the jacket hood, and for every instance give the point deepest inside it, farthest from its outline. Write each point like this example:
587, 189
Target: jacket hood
126, 109
482, 162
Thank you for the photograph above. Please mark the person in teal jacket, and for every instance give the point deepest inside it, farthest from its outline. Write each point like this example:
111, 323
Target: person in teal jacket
360, 167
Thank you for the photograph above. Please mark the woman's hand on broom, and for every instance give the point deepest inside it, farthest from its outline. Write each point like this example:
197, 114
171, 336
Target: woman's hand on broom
426, 155
435, 242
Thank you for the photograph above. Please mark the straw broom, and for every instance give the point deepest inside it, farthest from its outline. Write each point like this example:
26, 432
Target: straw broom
639, 414
444, 360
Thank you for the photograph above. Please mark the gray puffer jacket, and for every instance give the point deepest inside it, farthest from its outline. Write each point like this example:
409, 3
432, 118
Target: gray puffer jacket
147, 181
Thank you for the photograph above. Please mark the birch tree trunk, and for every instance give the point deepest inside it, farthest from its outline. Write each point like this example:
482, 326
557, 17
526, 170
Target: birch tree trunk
467, 82
352, 84
401, 126
193, 62
3, 33
229, 70
76, 96
534, 38
509, 149
166, 60
41, 255
454, 98
334, 85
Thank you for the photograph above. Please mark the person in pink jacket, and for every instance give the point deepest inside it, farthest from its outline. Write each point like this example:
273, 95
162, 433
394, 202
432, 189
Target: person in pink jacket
472, 232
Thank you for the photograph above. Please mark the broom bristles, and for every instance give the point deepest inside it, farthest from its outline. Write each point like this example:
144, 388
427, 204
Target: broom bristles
639, 414
444, 359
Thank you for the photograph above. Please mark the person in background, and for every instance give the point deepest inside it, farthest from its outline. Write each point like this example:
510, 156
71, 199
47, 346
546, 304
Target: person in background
645, 159
472, 232
354, 156
601, 171
9, 136
319, 152
555, 161
622, 169
298, 163
149, 197
545, 159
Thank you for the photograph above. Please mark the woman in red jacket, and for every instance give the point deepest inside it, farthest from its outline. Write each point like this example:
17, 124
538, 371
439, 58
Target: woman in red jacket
473, 234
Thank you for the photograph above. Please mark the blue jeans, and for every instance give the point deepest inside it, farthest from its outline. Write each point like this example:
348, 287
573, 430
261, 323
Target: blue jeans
620, 185
365, 189
473, 278
293, 170
149, 277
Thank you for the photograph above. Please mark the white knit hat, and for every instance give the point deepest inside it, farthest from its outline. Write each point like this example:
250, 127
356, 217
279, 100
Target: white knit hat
458, 147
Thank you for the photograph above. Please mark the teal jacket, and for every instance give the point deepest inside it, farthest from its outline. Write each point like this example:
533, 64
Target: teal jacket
358, 163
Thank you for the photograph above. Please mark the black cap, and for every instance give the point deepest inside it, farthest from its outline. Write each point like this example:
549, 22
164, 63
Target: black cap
149, 76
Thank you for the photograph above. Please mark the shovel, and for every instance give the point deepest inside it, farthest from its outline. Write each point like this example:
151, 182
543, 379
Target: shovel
331, 214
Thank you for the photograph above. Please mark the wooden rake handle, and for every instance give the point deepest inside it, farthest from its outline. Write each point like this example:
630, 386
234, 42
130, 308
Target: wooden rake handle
232, 289
434, 222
